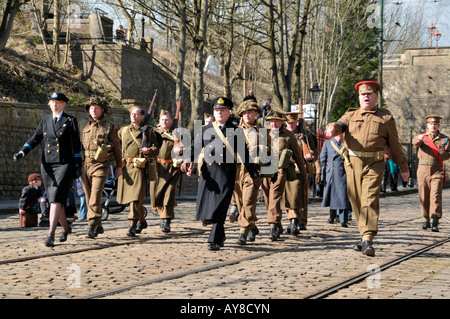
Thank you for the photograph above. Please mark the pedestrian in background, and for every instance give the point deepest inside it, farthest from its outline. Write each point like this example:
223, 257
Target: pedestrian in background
82, 213
334, 179
61, 160
29, 202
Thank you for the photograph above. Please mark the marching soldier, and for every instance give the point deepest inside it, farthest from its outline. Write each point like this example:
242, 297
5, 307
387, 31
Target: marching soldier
163, 187
368, 130
132, 184
247, 189
296, 194
100, 144
218, 171
433, 148
273, 187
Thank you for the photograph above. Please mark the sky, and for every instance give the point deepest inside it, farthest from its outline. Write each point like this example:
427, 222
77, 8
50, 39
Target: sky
436, 11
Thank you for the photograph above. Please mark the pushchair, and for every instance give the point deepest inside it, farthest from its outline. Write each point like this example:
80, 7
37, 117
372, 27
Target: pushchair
109, 201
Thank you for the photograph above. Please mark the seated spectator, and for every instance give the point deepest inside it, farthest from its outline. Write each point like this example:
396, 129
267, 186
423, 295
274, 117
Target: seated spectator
29, 202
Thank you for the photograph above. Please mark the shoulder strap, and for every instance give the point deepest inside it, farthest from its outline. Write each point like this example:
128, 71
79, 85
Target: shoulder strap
224, 140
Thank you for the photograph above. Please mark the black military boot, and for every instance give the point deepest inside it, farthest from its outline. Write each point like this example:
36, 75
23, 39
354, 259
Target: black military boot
426, 223
358, 246
131, 231
367, 248
252, 234
434, 225
242, 240
294, 227
99, 229
141, 226
273, 235
165, 225
92, 225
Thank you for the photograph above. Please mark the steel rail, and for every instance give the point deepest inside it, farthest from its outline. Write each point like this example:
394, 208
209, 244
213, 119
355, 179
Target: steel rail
356, 279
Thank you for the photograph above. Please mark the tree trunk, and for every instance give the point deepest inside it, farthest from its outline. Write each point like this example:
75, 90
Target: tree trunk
9, 13
181, 59
56, 30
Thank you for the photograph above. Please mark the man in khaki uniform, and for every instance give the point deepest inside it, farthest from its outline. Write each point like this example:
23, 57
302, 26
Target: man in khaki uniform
296, 193
273, 187
433, 148
246, 188
132, 184
368, 130
163, 188
100, 143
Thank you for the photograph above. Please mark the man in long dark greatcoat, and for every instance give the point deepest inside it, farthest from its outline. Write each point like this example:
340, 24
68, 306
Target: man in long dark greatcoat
220, 140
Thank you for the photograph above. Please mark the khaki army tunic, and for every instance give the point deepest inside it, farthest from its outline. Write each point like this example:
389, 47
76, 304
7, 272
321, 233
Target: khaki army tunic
95, 172
273, 187
430, 174
367, 135
163, 187
296, 193
246, 190
132, 184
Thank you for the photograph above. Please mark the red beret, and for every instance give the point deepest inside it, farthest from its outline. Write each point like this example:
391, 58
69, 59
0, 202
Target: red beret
33, 177
367, 87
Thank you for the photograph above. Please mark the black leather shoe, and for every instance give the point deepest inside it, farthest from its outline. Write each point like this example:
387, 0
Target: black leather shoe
344, 224
90, 233
65, 234
242, 240
50, 241
294, 228
358, 247
141, 226
252, 234
213, 246
131, 231
98, 230
434, 225
165, 225
367, 248
273, 235
426, 224
302, 227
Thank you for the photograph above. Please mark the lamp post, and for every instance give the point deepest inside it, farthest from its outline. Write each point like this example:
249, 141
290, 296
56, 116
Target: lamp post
431, 29
315, 92
411, 121
437, 36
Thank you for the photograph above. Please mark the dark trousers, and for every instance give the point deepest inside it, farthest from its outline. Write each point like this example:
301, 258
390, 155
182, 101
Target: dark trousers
217, 235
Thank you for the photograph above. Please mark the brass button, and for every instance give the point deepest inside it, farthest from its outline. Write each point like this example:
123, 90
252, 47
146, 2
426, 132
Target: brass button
45, 133
48, 145
48, 151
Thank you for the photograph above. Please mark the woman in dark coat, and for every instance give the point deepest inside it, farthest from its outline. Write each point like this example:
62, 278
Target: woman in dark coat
61, 160
335, 181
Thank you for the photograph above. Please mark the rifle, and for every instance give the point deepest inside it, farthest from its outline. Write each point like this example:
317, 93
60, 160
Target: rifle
177, 114
302, 131
148, 120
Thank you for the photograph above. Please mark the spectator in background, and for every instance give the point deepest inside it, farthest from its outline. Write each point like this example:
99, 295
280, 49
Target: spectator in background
82, 213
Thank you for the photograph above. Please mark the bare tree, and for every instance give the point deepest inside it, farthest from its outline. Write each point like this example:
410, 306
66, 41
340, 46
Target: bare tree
9, 13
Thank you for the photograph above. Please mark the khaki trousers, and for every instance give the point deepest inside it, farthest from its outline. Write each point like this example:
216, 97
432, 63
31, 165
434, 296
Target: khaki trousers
430, 180
273, 191
245, 195
93, 179
363, 189
166, 212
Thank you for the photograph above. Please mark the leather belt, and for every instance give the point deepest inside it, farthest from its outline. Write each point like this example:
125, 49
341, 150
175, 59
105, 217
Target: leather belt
89, 153
429, 163
161, 160
378, 155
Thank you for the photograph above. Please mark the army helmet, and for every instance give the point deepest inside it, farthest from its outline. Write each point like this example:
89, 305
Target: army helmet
96, 100
247, 105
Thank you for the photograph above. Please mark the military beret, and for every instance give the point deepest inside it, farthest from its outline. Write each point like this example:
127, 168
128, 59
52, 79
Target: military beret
58, 96
276, 115
33, 177
96, 100
222, 102
367, 87
248, 106
433, 119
